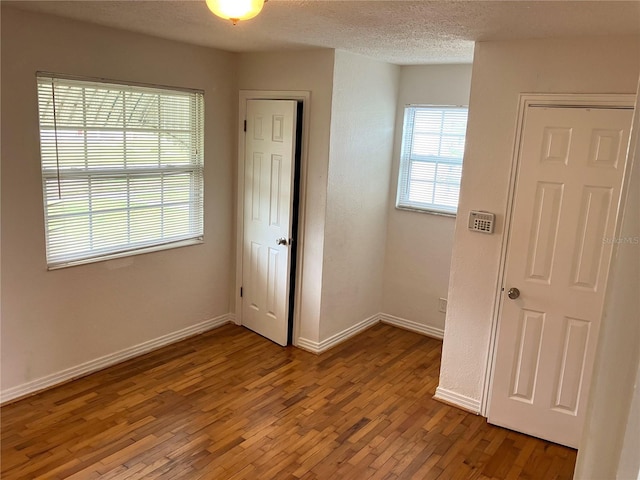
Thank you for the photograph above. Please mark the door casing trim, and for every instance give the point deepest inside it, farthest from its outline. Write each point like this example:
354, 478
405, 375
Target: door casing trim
305, 98
526, 100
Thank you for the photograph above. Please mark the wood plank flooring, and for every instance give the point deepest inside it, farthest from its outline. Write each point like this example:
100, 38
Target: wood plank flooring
229, 404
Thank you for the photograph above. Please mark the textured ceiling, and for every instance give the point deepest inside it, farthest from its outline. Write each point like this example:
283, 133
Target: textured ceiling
401, 32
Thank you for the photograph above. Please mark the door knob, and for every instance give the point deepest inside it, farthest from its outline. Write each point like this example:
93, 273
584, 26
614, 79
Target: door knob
282, 241
513, 293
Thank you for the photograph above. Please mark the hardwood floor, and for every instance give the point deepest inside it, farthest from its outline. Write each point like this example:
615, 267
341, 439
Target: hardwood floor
229, 404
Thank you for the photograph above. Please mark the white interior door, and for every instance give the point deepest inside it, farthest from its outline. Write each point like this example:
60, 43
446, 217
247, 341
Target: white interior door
268, 192
571, 167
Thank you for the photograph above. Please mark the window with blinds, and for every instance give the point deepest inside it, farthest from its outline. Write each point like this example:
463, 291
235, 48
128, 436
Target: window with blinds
431, 158
122, 168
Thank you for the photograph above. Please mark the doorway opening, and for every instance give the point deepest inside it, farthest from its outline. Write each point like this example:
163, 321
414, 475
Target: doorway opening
295, 211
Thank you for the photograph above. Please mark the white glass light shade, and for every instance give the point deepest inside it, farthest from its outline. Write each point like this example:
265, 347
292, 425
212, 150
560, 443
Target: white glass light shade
235, 10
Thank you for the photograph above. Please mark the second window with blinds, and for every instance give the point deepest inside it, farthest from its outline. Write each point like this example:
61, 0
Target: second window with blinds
431, 158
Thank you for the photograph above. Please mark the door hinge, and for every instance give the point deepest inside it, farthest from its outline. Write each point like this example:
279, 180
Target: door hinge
240, 292
245, 125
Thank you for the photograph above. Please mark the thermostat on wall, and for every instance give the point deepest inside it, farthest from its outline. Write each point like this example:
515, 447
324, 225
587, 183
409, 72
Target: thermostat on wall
481, 221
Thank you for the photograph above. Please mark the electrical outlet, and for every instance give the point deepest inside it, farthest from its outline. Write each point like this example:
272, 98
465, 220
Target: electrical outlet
442, 305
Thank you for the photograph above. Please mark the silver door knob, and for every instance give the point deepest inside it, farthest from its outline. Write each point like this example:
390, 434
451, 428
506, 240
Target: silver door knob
282, 241
513, 293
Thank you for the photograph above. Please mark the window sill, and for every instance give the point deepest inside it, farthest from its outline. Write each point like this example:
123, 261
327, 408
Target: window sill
430, 212
129, 253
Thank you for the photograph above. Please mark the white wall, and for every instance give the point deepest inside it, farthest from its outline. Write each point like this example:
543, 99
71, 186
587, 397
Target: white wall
59, 319
418, 253
501, 71
362, 126
306, 71
629, 464
351, 127
612, 426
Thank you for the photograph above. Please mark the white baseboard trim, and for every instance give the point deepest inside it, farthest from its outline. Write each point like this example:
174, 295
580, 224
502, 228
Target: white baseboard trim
466, 403
91, 366
413, 326
319, 347
308, 345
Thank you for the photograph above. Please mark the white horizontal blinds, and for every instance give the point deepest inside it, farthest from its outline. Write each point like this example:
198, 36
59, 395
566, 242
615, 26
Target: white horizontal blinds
431, 158
122, 167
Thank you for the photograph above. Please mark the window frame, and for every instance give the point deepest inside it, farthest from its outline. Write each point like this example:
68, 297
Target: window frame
163, 172
406, 160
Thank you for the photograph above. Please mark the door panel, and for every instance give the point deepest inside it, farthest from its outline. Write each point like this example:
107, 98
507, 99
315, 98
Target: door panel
529, 342
269, 156
594, 218
544, 231
570, 174
571, 373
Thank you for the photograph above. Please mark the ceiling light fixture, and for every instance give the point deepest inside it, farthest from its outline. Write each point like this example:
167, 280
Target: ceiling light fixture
236, 10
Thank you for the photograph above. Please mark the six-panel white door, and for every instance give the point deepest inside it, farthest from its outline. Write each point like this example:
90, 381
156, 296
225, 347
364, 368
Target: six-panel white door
268, 189
571, 168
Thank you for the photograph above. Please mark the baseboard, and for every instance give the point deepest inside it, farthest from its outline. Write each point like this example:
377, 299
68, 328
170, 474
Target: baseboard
413, 326
319, 347
92, 366
461, 401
